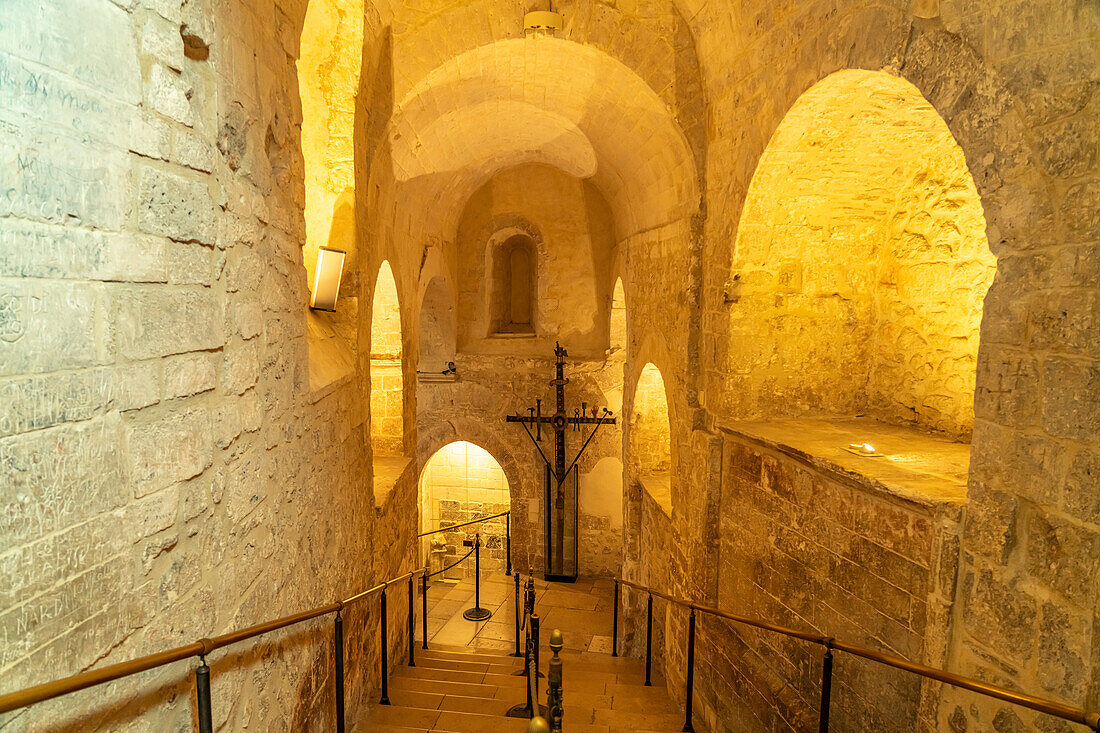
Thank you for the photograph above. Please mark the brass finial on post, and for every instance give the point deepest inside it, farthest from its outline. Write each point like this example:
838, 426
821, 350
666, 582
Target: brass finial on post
554, 704
538, 725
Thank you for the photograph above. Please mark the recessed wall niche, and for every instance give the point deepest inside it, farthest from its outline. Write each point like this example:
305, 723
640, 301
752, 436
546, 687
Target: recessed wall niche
513, 286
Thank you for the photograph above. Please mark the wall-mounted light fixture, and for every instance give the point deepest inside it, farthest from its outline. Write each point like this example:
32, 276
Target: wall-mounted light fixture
326, 281
542, 21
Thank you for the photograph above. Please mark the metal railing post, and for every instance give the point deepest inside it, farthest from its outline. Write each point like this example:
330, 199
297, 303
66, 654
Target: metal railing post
555, 709
688, 728
615, 623
477, 613
424, 606
385, 700
648, 640
338, 634
508, 541
412, 621
535, 637
517, 653
202, 695
826, 686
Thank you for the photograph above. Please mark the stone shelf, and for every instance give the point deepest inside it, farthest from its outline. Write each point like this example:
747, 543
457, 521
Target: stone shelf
913, 465
659, 486
387, 471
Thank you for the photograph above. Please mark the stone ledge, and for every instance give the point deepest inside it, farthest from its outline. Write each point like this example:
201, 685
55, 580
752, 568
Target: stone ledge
388, 470
913, 465
659, 487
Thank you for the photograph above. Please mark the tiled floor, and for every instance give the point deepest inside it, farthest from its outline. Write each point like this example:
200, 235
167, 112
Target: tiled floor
581, 610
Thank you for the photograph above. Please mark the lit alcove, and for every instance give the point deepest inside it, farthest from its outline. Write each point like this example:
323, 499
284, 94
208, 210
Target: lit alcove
861, 262
650, 436
386, 381
617, 321
461, 482
513, 287
437, 330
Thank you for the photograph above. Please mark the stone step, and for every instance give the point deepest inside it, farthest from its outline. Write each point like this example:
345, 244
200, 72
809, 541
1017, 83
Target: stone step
412, 718
444, 687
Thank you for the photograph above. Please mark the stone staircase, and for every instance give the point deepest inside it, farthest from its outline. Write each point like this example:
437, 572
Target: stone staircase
462, 690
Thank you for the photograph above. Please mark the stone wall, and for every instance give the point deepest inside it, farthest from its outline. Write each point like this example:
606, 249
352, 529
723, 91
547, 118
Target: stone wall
804, 546
1016, 87
860, 263
169, 471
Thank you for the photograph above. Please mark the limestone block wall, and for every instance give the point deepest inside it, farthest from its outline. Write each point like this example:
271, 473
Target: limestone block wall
860, 264
571, 229
1016, 87
166, 470
812, 550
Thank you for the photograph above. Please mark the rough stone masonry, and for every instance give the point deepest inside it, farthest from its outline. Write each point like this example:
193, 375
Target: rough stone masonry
834, 222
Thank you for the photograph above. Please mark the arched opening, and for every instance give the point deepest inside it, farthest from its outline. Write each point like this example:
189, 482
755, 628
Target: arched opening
650, 436
387, 397
461, 482
617, 321
861, 261
329, 66
437, 328
514, 286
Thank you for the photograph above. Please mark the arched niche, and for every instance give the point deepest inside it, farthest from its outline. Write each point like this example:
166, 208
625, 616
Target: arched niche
460, 482
386, 379
651, 436
861, 261
513, 286
437, 327
616, 328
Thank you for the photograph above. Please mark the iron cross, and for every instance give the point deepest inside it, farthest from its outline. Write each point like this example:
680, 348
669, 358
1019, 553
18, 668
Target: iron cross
560, 421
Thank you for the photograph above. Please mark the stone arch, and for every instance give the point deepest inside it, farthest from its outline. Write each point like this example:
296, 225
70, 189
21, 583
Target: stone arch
860, 261
651, 435
557, 103
328, 66
512, 283
459, 482
617, 322
387, 395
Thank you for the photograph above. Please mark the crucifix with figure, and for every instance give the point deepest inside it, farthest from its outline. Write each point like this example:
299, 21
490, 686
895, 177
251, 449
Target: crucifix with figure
561, 480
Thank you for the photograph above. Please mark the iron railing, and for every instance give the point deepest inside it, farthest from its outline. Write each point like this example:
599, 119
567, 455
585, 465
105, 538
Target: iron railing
201, 648
831, 644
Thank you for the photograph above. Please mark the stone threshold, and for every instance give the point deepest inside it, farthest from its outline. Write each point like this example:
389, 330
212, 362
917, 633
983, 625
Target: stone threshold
909, 464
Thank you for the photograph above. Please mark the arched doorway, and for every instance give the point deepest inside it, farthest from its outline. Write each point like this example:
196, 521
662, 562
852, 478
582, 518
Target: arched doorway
459, 483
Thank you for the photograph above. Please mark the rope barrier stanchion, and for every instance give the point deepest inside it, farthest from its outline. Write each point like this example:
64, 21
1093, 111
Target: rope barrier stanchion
477, 613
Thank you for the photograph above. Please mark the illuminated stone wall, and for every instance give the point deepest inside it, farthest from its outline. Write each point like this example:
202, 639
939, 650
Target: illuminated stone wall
387, 394
169, 468
459, 483
860, 263
157, 361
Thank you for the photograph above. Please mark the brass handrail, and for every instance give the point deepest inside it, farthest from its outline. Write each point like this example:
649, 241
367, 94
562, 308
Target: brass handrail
1042, 705
56, 688
464, 524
